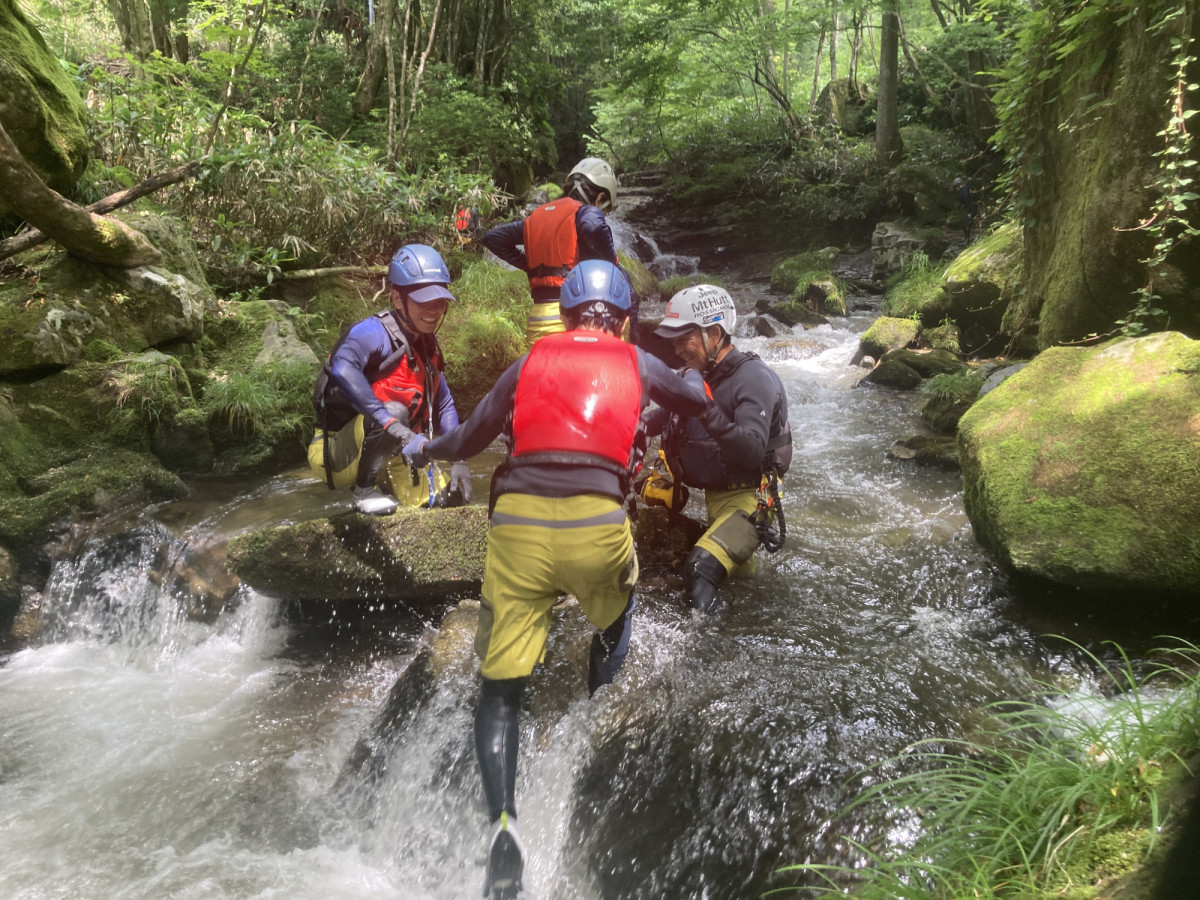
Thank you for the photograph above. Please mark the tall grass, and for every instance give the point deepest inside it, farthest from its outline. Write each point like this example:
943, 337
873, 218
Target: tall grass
1033, 804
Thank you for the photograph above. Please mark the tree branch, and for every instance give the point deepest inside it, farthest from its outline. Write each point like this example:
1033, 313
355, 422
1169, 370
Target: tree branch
33, 236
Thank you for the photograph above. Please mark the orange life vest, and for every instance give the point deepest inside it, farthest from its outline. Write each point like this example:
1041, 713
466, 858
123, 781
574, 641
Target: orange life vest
579, 396
551, 242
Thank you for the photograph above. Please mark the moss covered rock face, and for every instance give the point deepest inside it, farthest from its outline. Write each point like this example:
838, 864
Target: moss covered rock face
60, 305
1084, 467
39, 106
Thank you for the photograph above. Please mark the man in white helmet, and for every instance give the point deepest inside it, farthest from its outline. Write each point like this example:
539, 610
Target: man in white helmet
556, 236
741, 436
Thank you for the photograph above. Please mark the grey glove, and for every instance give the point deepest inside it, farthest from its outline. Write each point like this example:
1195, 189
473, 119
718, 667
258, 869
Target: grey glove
412, 451
460, 480
398, 430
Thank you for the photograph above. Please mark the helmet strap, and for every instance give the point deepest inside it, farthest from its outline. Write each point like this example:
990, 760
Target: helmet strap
710, 353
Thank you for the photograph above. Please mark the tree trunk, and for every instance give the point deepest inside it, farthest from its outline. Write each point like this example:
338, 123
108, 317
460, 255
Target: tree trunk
415, 87
376, 63
834, 37
888, 143
133, 22
33, 237
83, 234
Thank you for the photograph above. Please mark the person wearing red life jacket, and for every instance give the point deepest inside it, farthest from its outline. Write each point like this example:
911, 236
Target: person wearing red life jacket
383, 383
572, 408
556, 236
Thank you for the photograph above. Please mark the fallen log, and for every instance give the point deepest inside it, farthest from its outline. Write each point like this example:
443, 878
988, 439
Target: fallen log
31, 238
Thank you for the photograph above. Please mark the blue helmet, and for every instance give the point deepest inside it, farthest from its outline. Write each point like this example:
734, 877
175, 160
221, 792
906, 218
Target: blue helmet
592, 281
421, 272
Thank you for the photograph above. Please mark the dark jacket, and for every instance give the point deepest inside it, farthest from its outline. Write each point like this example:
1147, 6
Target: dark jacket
728, 445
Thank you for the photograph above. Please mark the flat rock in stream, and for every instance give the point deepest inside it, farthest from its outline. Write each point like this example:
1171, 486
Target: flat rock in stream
415, 555
424, 555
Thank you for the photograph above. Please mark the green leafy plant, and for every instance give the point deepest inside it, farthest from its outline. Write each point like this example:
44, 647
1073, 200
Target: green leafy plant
1026, 805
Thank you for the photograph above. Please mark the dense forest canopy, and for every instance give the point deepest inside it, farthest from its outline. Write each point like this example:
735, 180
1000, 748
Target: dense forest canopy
332, 130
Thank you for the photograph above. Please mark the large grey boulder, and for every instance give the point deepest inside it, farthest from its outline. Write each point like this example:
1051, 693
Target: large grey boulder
1083, 468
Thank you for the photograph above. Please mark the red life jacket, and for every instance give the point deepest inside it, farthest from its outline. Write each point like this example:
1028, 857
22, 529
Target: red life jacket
414, 384
551, 243
578, 397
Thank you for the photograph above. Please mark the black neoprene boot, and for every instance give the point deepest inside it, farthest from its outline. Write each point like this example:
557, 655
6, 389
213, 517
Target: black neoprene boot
704, 574
609, 649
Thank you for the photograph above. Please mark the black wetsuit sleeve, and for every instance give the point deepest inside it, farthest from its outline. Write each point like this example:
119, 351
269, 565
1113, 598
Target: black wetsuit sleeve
484, 424
740, 420
595, 235
683, 395
507, 242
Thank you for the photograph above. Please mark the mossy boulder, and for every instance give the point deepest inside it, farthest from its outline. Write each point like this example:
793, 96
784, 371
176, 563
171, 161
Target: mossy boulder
421, 556
887, 333
417, 556
844, 103
1083, 468
60, 305
40, 107
893, 371
796, 272
977, 289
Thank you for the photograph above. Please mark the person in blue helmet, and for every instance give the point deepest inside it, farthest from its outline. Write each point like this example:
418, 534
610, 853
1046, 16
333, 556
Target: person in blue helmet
383, 383
570, 410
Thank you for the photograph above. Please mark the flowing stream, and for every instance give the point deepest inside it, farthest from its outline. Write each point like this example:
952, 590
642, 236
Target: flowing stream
153, 747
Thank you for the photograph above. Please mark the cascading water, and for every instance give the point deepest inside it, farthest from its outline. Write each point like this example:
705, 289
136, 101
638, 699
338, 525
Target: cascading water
145, 753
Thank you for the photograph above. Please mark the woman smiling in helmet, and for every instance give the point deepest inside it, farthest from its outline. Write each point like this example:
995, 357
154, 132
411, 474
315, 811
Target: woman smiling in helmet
383, 382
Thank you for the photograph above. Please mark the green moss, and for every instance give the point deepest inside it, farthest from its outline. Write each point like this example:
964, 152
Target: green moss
797, 271
1083, 467
643, 279
419, 555
669, 287
485, 332
44, 113
889, 333
87, 482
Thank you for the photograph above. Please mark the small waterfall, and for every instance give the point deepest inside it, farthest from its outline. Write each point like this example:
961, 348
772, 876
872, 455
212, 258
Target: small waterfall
646, 249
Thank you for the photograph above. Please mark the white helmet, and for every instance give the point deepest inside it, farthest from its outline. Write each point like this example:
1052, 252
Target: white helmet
699, 305
599, 175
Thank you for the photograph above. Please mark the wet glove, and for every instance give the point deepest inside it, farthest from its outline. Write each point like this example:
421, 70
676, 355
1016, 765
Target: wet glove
412, 451
399, 431
460, 480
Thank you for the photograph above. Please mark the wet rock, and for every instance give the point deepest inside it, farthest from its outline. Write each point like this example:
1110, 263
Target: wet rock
421, 556
940, 451
893, 372
886, 333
